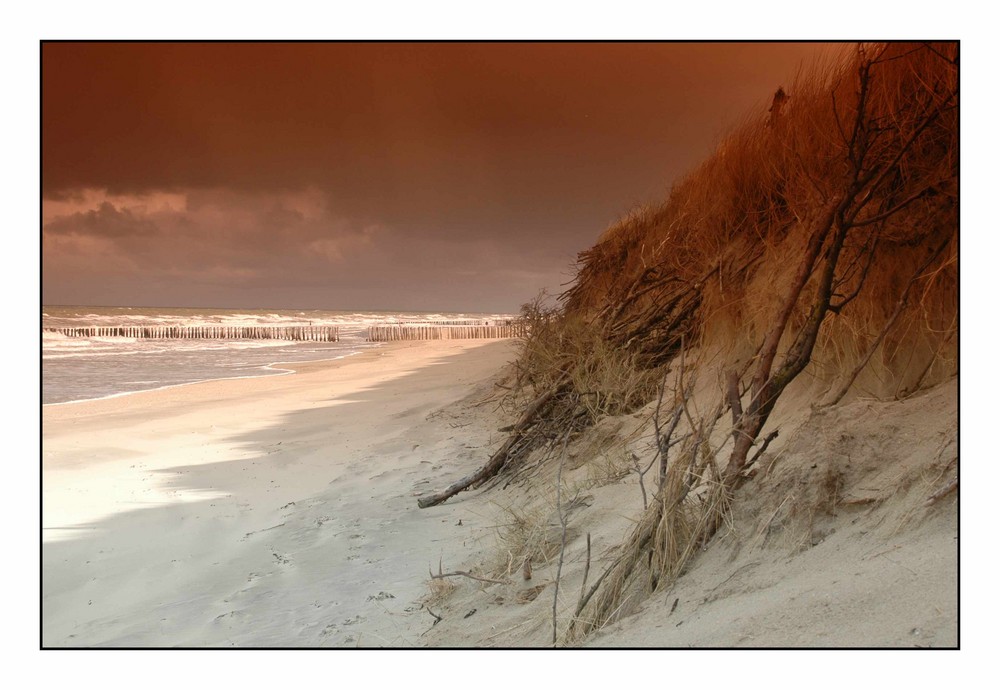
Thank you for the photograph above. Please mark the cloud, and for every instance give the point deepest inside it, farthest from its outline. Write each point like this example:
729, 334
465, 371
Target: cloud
365, 175
106, 220
81, 201
228, 247
203, 230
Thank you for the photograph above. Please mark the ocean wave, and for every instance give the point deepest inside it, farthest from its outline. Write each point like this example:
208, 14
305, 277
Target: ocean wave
278, 368
69, 318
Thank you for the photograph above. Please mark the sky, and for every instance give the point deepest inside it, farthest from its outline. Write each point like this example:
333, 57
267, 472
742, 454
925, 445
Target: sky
656, 161
395, 176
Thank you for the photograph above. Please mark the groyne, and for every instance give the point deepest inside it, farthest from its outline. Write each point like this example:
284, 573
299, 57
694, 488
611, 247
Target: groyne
215, 332
386, 333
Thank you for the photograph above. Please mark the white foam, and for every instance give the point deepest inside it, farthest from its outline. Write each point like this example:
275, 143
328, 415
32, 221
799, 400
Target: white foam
92, 367
280, 369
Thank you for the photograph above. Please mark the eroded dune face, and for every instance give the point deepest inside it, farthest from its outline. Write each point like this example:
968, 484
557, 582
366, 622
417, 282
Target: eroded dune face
811, 263
718, 261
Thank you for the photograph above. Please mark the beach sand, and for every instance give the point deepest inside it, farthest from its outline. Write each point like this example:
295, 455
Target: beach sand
281, 512
263, 512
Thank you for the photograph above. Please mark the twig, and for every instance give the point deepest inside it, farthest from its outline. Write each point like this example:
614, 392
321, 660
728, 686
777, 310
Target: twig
641, 472
882, 553
586, 570
593, 589
942, 492
437, 618
900, 306
562, 547
933, 359
735, 405
863, 501
663, 441
869, 251
760, 451
462, 573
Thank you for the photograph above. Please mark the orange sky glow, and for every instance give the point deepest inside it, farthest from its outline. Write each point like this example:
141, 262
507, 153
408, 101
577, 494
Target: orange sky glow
437, 176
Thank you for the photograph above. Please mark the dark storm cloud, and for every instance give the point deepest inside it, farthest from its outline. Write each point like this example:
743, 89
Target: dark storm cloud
276, 246
209, 228
402, 167
105, 221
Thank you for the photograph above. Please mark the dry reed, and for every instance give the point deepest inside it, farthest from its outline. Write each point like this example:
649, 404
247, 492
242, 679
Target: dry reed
868, 143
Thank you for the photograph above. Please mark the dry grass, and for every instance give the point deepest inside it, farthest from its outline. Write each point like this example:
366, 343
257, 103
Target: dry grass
710, 261
712, 267
605, 378
438, 589
610, 467
526, 534
691, 505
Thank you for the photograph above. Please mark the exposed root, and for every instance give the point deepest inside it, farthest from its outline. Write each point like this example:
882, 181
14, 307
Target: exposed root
800, 245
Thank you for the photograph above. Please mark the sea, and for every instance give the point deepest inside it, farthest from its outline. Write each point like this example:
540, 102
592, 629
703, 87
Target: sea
76, 368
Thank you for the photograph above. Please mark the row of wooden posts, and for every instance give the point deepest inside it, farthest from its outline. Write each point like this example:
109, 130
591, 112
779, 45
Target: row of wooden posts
463, 322
437, 330
325, 334
384, 333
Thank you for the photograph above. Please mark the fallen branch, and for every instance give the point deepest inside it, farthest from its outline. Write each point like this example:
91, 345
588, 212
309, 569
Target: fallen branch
500, 458
462, 573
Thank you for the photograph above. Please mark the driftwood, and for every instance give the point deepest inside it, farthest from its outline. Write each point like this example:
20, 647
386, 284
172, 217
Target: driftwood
462, 573
500, 458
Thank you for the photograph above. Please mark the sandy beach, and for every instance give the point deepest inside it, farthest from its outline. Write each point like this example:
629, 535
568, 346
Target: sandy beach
262, 512
281, 512
733, 418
